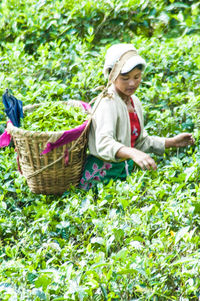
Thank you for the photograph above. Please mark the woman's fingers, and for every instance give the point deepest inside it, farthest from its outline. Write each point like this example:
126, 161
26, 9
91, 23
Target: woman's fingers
191, 140
153, 164
142, 159
184, 139
148, 164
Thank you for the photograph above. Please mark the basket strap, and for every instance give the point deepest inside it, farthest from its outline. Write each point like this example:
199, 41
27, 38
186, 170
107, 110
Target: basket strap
44, 168
119, 64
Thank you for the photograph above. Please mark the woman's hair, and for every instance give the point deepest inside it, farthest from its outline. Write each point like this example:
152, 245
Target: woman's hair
139, 66
109, 70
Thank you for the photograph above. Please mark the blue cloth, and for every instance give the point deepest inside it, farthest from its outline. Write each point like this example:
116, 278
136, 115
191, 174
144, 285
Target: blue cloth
13, 108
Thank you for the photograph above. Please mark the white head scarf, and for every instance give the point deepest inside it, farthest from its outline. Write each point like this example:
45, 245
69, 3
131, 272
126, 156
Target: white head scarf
115, 52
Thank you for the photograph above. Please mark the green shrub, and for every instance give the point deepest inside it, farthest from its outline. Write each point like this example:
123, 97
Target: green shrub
132, 240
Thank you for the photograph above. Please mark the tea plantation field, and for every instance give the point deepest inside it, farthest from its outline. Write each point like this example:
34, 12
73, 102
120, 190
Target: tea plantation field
127, 240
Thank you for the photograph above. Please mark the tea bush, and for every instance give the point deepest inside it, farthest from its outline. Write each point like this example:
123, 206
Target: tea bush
131, 240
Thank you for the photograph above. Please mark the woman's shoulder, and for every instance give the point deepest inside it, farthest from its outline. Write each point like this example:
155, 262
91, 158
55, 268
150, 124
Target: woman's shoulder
103, 105
108, 98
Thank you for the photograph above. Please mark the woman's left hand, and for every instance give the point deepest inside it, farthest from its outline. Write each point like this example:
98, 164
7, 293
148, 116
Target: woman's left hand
181, 140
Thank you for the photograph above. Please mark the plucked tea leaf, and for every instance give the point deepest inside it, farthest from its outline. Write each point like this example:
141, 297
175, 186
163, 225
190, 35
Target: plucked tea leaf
53, 117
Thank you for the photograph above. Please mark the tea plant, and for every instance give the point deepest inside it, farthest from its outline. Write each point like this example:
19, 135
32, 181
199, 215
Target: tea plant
131, 240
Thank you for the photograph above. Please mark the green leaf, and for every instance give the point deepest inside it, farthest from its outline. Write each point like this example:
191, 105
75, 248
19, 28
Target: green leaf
181, 233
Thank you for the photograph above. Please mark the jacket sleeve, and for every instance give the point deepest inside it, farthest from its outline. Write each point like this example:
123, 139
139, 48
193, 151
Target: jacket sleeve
103, 131
151, 144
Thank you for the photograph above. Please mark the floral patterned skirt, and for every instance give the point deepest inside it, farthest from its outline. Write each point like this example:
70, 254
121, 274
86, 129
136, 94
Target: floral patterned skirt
96, 170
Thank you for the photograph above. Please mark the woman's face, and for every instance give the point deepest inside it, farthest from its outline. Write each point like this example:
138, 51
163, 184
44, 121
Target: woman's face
126, 84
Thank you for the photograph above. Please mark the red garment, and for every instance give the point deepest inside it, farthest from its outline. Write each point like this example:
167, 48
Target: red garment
135, 126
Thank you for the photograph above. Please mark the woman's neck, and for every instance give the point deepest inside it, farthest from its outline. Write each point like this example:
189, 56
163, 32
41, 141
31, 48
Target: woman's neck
126, 99
128, 103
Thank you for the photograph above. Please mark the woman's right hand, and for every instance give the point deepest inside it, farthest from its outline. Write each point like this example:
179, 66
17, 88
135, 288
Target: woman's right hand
140, 158
143, 160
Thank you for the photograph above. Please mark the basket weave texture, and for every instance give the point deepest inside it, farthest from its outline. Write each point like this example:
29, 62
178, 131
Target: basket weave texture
57, 177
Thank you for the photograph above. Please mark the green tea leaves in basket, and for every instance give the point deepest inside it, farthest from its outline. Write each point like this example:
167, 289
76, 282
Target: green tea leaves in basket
55, 116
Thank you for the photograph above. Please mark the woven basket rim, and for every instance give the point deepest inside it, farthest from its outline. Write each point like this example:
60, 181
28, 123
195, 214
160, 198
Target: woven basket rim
13, 129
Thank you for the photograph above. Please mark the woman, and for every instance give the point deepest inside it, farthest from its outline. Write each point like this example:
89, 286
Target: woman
117, 138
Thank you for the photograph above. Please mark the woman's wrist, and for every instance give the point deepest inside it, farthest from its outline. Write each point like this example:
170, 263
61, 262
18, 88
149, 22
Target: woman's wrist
170, 142
125, 153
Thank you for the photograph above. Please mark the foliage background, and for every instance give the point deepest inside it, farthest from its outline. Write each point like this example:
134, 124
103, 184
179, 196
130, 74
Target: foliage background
135, 240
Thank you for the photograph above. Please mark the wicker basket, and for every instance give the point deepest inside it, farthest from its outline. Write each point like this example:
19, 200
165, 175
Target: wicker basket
48, 173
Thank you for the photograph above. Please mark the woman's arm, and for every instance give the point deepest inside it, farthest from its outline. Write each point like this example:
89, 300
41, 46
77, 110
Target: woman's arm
144, 160
180, 140
140, 158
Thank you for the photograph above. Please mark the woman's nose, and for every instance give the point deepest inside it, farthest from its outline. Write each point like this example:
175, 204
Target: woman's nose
132, 83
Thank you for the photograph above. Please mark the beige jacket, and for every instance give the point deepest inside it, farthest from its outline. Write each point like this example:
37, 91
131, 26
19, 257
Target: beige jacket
110, 129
